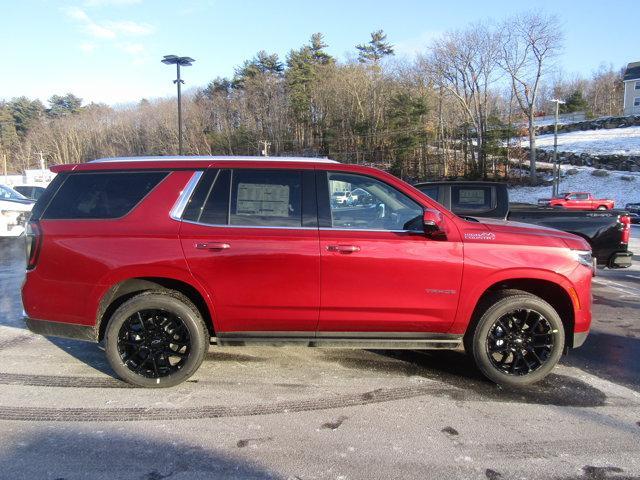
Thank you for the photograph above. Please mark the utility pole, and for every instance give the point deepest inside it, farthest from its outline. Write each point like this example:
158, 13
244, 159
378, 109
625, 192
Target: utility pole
265, 147
555, 189
185, 62
42, 165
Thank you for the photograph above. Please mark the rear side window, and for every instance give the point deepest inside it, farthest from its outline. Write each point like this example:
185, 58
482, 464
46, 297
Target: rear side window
101, 195
270, 198
473, 199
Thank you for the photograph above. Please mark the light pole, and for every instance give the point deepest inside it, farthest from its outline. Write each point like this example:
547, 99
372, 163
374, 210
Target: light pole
555, 189
184, 62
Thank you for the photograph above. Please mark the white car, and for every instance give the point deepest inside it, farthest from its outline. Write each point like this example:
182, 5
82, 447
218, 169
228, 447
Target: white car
14, 212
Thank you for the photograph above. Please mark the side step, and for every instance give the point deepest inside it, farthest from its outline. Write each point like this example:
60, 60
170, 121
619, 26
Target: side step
363, 340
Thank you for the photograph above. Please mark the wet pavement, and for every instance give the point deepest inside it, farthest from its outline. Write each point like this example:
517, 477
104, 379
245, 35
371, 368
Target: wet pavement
313, 413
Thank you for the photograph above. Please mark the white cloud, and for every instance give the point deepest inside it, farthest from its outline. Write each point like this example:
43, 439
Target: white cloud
87, 47
108, 29
110, 3
413, 46
132, 48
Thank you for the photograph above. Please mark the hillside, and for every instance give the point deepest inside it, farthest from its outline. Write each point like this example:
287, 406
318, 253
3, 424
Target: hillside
621, 191
615, 141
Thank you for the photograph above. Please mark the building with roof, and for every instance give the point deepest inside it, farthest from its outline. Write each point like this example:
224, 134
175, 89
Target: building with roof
631, 81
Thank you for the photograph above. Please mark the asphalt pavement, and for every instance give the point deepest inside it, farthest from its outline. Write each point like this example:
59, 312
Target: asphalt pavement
313, 413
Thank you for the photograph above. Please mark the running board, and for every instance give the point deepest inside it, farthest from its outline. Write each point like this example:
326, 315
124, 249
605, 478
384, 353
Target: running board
364, 340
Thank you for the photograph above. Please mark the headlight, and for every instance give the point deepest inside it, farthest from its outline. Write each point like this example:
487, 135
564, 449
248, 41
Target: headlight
584, 257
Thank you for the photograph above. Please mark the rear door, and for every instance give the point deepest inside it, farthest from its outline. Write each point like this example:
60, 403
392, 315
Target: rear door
379, 272
251, 237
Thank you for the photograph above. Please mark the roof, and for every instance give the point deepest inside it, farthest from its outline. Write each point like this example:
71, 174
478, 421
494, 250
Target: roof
212, 158
185, 162
632, 72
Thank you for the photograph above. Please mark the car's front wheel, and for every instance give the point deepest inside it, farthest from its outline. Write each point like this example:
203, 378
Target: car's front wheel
156, 339
518, 339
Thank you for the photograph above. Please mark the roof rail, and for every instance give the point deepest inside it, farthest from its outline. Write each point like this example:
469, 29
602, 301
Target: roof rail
213, 158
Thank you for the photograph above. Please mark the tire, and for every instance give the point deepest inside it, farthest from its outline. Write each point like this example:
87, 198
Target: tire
162, 350
602, 207
496, 334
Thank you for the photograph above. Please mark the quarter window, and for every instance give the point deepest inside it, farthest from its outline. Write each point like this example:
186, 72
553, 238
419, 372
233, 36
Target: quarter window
101, 195
359, 202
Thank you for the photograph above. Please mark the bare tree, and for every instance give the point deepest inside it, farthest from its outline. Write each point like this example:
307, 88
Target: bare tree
530, 42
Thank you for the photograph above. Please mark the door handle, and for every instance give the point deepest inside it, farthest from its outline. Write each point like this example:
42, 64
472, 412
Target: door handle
213, 246
343, 248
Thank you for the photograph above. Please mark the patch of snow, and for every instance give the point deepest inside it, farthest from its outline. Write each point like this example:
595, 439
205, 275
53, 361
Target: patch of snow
614, 141
611, 187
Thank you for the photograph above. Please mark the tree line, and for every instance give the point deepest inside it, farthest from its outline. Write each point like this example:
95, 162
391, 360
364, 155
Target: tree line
459, 108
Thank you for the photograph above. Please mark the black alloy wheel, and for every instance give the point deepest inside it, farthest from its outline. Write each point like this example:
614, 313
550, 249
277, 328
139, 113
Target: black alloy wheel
520, 342
154, 343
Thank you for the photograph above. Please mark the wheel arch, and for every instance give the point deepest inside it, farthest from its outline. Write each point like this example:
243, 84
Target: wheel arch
120, 292
551, 292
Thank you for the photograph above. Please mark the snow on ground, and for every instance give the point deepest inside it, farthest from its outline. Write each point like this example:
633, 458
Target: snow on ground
621, 191
615, 141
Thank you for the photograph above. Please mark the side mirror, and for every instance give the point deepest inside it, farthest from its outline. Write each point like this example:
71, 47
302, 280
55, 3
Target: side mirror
432, 223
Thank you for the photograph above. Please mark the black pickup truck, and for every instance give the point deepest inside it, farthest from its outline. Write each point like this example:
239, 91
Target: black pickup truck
606, 231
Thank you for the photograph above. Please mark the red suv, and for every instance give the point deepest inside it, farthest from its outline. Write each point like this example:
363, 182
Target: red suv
159, 257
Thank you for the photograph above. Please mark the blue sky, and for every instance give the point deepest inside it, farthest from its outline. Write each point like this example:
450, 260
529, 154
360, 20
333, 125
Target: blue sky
110, 50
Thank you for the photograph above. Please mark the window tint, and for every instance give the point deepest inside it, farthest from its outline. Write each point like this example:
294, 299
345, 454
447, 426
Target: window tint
270, 198
472, 199
431, 192
582, 196
101, 195
370, 205
210, 201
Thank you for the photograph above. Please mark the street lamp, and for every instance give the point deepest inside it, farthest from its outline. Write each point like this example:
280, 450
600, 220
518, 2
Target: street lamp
555, 189
184, 62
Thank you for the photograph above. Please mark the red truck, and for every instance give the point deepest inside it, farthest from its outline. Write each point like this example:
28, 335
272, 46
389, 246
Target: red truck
581, 201
160, 257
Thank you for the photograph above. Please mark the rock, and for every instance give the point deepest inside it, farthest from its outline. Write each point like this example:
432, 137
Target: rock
600, 173
572, 171
627, 178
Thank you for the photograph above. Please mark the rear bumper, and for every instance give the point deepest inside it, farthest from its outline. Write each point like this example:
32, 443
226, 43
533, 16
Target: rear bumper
60, 329
620, 260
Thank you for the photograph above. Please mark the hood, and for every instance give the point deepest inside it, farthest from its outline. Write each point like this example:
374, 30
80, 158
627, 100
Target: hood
507, 232
20, 205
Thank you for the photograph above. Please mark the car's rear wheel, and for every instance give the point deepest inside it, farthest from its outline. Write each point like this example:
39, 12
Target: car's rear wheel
518, 339
156, 339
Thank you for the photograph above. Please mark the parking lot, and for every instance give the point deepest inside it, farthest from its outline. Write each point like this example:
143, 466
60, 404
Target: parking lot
314, 413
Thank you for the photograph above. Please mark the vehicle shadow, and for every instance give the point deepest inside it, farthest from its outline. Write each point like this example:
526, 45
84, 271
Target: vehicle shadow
78, 453
458, 370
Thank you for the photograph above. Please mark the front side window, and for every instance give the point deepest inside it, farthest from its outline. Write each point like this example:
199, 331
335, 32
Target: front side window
365, 203
101, 195
582, 196
636, 102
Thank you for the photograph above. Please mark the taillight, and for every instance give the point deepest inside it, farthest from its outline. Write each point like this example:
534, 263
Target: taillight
626, 228
33, 237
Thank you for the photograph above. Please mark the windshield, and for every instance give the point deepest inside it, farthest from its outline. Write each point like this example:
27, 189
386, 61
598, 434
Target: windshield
7, 193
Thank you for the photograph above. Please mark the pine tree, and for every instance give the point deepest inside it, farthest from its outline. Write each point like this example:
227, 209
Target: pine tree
575, 103
376, 49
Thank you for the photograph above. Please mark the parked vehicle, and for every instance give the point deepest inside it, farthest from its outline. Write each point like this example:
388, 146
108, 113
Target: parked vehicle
607, 232
14, 210
635, 218
30, 191
343, 198
580, 201
159, 257
632, 207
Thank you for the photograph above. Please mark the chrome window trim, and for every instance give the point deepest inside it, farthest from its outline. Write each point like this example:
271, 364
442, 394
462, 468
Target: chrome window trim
248, 226
369, 230
181, 203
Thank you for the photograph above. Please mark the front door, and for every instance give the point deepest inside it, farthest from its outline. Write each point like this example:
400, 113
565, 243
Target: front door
379, 272
250, 236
